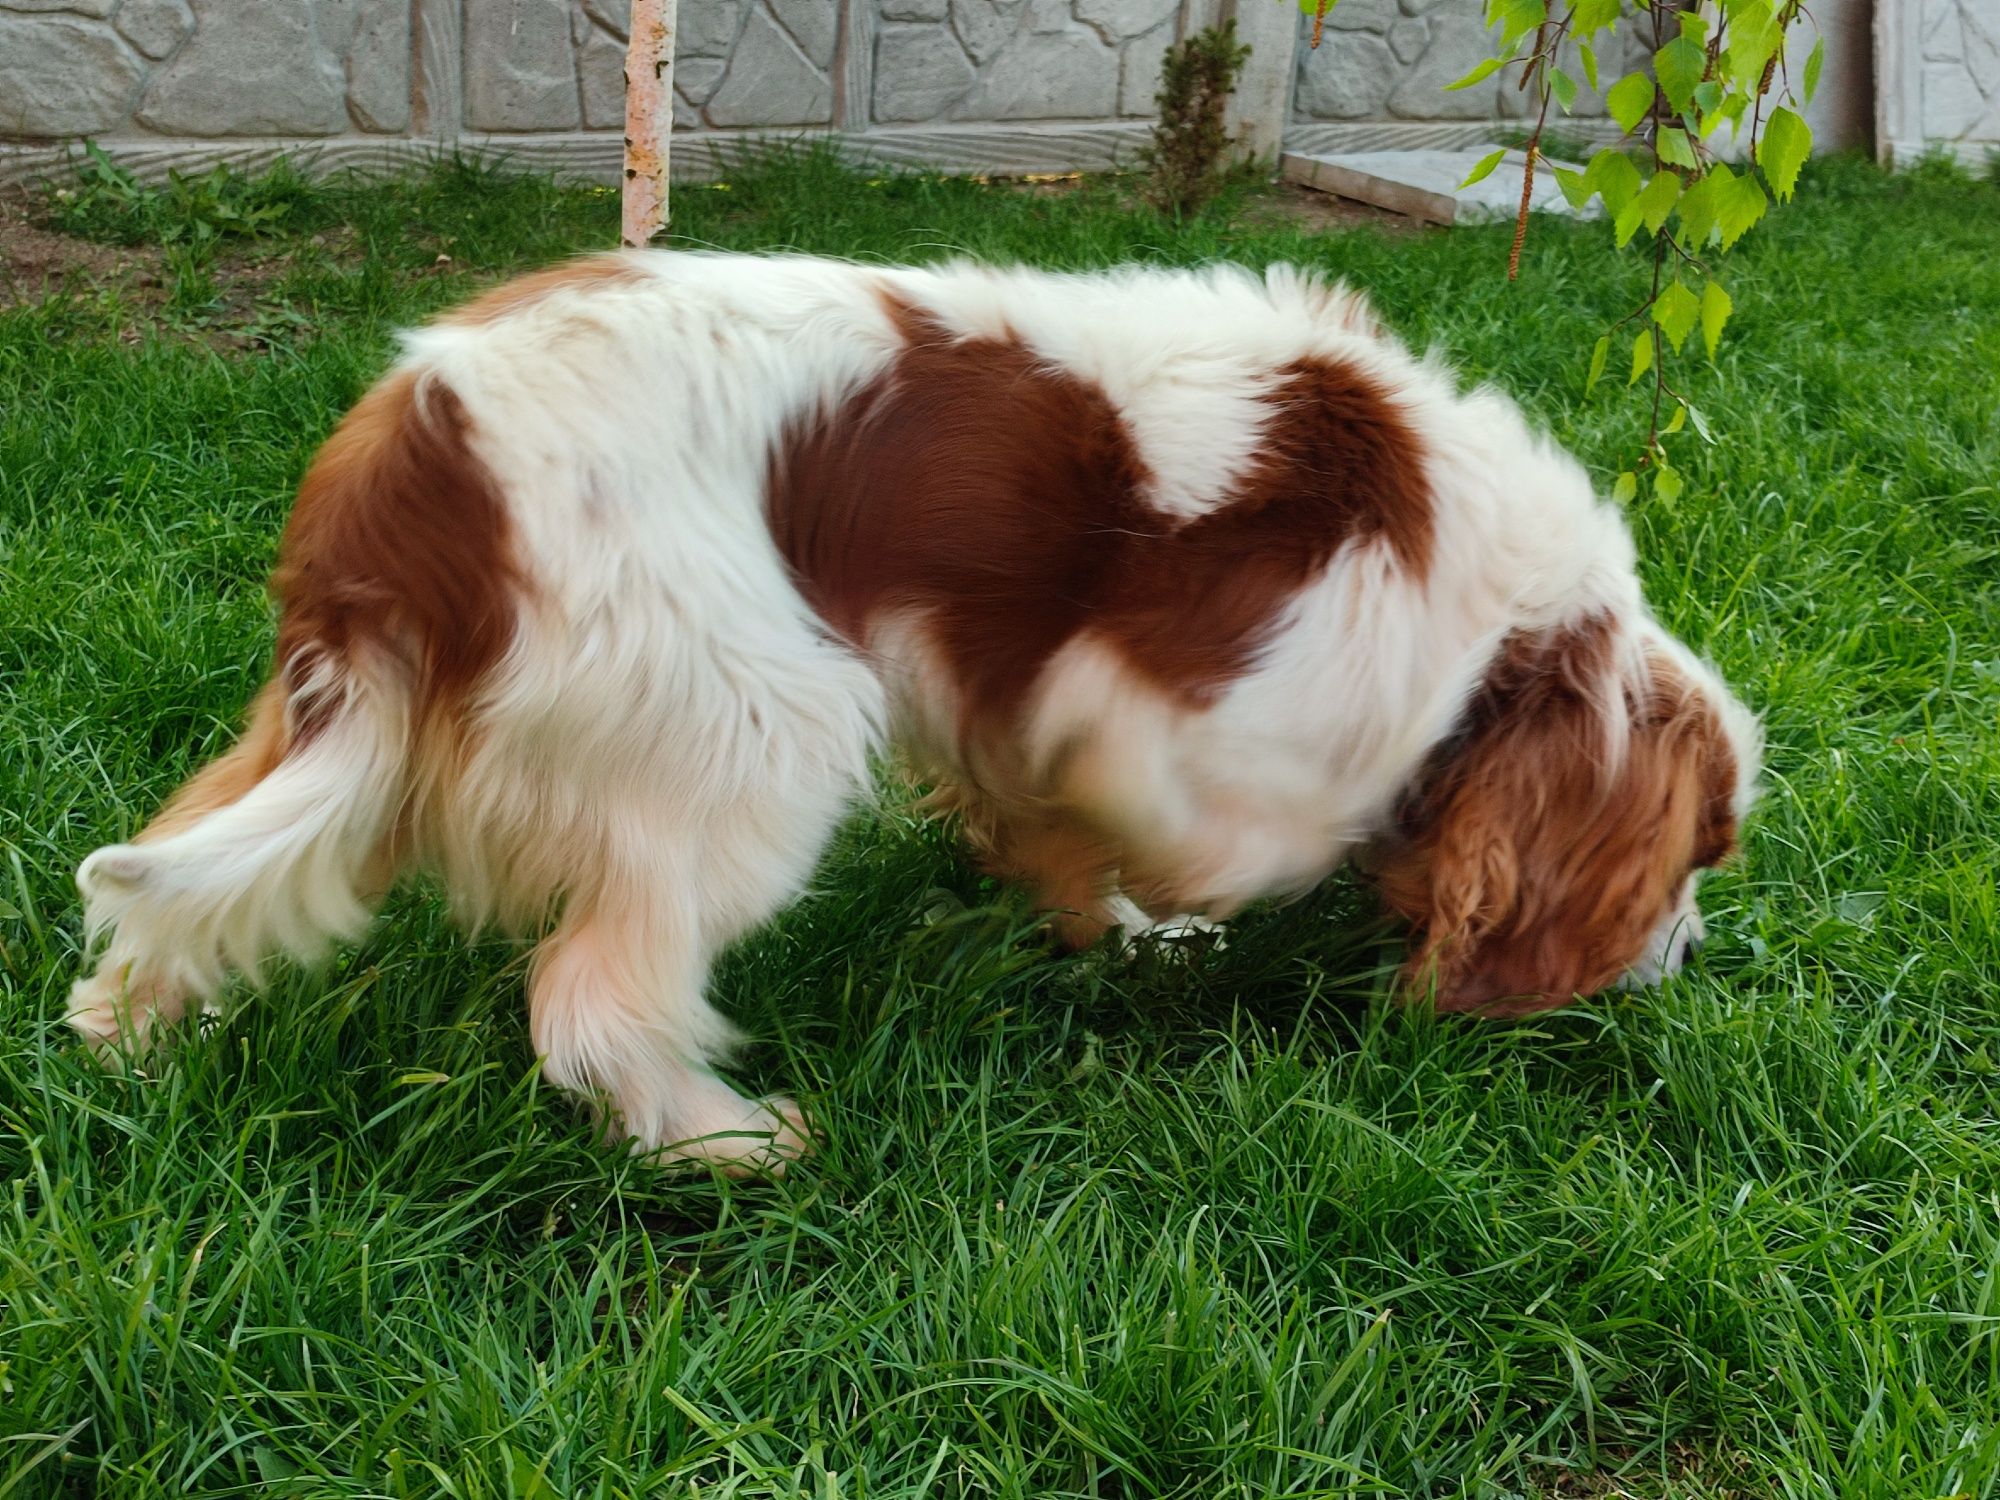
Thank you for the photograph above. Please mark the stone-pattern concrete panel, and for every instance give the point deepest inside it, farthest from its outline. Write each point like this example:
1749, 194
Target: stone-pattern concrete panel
210, 68
770, 80
520, 66
145, 74
1961, 70
920, 73
1056, 75
254, 67
378, 66
64, 75
1019, 60
1391, 60
1139, 67
155, 27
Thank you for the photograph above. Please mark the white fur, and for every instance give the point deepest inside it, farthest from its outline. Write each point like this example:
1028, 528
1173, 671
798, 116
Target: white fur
665, 748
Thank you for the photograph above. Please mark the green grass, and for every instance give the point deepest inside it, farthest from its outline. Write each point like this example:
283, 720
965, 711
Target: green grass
1236, 1226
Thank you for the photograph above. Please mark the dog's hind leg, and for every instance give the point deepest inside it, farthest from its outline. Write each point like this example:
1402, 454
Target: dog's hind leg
617, 1009
616, 995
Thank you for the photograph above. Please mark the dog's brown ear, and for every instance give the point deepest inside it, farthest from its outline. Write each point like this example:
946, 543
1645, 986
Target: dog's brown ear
1457, 884
1536, 864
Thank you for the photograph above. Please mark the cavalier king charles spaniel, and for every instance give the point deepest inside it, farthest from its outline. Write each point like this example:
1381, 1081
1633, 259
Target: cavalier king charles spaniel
1179, 587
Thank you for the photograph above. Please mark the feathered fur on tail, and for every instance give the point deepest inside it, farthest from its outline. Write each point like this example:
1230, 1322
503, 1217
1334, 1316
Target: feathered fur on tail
277, 847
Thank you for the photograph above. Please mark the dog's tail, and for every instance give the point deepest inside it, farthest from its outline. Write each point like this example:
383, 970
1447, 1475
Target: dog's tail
269, 849
395, 596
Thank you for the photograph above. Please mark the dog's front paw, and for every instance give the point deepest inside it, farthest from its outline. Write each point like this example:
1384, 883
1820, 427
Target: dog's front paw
1136, 928
1183, 928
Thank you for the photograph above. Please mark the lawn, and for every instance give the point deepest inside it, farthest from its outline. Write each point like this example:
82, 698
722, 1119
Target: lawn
1224, 1224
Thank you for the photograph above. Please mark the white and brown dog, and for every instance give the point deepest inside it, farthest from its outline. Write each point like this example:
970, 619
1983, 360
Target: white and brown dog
1182, 587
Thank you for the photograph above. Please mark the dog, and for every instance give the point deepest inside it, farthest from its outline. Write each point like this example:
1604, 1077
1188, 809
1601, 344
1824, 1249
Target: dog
1180, 588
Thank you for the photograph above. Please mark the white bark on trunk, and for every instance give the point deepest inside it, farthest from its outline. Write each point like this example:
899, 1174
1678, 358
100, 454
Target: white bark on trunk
649, 119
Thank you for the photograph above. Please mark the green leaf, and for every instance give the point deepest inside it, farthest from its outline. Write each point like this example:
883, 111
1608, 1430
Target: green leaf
1814, 61
1575, 186
1698, 208
1485, 168
1587, 54
525, 1479
1524, 15
1625, 223
1673, 146
1707, 94
1679, 66
1516, 18
1642, 355
272, 1466
1591, 16
1676, 422
1629, 100
1667, 483
1613, 177
1486, 69
1650, 207
1739, 206
1694, 26
1676, 310
1786, 145
1700, 424
1564, 88
1659, 198
1598, 356
1715, 310
1754, 35
1625, 488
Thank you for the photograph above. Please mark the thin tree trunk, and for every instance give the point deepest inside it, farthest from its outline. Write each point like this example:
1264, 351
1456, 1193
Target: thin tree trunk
649, 119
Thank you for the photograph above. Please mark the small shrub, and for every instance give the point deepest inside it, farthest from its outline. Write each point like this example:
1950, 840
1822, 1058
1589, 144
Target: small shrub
106, 202
1186, 162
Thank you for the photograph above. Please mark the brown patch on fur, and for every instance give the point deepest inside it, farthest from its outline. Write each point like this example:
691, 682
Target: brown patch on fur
228, 777
524, 291
1337, 464
399, 544
1530, 873
1000, 499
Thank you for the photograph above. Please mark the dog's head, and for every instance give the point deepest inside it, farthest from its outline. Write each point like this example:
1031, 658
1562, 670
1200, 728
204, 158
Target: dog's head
1553, 845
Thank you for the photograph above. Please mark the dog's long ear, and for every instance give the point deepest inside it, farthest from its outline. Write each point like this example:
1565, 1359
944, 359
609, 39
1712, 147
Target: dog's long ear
1497, 854
1456, 889
1553, 835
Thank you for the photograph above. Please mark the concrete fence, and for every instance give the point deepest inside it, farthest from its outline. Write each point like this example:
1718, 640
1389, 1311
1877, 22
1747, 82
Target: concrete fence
965, 85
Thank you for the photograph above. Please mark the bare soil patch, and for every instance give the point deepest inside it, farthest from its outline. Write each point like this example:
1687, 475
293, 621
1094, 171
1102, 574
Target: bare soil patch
36, 262
225, 300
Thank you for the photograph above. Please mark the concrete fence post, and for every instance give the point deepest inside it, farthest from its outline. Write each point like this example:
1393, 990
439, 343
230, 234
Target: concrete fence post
1263, 102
